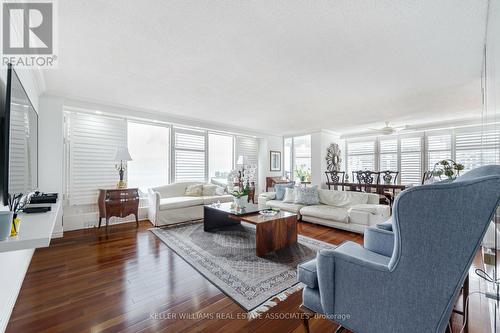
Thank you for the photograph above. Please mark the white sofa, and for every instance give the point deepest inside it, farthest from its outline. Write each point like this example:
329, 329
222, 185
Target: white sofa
169, 205
352, 211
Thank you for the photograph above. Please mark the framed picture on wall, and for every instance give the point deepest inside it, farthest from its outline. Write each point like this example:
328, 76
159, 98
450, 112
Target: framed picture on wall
275, 161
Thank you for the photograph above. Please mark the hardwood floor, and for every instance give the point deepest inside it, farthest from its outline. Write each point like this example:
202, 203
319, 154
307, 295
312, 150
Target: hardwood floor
125, 279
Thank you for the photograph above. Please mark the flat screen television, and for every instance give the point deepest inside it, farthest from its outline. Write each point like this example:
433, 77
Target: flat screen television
19, 140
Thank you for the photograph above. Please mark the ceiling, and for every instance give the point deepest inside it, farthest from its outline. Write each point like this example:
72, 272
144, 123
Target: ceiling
276, 66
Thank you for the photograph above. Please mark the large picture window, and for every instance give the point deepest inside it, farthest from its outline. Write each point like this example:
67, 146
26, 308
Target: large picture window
149, 147
220, 157
297, 157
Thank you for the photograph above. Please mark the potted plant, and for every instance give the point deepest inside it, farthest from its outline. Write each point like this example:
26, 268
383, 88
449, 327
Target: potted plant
448, 168
302, 173
241, 196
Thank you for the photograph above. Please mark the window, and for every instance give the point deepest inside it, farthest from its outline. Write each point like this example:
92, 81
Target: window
388, 158
149, 148
288, 158
438, 148
411, 160
220, 157
302, 157
477, 146
360, 156
189, 155
91, 143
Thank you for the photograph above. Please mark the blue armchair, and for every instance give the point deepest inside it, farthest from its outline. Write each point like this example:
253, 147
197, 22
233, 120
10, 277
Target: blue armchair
407, 279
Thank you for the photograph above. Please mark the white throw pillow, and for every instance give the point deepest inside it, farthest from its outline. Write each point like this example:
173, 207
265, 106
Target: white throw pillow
209, 190
289, 195
219, 190
194, 190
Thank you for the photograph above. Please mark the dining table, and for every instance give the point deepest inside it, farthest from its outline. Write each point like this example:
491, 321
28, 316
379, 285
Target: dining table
379, 188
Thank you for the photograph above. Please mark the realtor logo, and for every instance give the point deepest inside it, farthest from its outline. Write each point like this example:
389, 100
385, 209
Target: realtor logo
28, 33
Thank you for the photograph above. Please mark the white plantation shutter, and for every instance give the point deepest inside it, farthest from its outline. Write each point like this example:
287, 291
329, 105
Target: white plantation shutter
411, 160
360, 156
92, 140
477, 146
189, 156
438, 148
388, 159
248, 147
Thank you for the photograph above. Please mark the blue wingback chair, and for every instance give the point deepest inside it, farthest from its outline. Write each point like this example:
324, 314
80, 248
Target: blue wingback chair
406, 279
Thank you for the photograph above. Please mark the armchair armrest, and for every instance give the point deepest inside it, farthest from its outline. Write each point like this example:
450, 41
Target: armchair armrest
350, 253
379, 240
154, 205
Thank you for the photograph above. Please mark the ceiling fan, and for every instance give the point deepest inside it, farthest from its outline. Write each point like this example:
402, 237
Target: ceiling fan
388, 130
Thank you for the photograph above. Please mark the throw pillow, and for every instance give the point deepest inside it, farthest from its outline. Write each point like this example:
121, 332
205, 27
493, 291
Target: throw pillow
194, 190
289, 195
209, 190
306, 195
219, 190
280, 190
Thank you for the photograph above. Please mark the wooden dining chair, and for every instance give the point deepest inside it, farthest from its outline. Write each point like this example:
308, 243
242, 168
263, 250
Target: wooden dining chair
334, 178
366, 179
389, 177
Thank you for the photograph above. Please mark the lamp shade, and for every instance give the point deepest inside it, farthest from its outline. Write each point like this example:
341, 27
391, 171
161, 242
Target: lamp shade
242, 160
122, 154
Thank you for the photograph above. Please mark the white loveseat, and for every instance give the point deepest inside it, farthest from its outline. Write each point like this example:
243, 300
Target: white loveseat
168, 204
352, 211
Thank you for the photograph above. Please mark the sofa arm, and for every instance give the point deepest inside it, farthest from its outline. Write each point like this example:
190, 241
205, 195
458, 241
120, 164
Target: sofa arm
379, 241
264, 197
154, 205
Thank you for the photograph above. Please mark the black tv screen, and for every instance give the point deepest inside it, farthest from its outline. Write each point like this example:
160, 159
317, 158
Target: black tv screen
19, 126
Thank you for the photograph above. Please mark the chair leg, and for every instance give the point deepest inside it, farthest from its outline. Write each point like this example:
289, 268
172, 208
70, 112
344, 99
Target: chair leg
339, 329
307, 314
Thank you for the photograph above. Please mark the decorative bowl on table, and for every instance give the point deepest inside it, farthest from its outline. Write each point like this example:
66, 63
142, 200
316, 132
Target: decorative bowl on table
268, 212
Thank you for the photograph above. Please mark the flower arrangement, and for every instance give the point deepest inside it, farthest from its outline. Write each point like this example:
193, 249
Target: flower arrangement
241, 192
302, 173
448, 168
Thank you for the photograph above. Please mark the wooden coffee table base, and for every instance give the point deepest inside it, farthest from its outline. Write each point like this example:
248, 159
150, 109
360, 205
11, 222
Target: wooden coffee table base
274, 232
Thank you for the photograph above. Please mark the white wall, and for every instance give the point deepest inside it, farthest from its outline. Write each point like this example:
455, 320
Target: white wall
274, 143
50, 143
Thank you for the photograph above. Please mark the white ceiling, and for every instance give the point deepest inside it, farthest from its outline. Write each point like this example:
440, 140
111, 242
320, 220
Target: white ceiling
276, 66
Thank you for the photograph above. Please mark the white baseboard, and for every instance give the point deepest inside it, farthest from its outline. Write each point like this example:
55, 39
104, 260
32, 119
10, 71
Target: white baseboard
90, 220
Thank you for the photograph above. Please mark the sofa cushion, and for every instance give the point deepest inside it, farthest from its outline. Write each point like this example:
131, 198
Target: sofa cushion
280, 190
371, 208
194, 190
326, 212
306, 195
209, 190
289, 207
179, 202
208, 200
307, 273
342, 198
289, 195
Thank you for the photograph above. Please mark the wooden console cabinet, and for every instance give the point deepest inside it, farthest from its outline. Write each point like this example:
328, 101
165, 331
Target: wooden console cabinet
119, 203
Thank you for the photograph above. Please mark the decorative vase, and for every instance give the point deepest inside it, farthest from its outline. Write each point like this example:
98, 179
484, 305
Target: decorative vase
6, 218
16, 223
241, 201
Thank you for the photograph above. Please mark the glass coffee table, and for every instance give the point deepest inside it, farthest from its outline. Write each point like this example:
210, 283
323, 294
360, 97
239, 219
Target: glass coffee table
272, 232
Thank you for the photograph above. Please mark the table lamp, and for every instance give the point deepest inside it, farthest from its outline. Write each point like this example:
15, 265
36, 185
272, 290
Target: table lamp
121, 155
